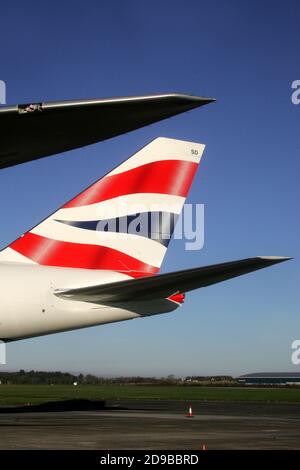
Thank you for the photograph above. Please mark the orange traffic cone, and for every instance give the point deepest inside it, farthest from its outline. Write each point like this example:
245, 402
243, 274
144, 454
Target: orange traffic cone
190, 412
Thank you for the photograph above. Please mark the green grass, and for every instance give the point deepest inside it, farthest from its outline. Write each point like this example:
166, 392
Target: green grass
34, 394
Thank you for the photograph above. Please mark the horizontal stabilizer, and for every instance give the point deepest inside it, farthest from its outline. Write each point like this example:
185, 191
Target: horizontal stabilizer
33, 131
165, 285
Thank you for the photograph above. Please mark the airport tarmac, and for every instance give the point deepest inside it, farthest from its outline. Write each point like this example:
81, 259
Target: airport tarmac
153, 425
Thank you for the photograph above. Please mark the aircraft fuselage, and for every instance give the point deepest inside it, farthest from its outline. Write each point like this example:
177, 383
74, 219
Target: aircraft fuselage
29, 306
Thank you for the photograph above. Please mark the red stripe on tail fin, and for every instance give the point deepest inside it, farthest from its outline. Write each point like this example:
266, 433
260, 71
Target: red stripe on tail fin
172, 177
50, 252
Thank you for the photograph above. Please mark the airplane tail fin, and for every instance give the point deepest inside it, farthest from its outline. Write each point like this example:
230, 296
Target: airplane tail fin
124, 221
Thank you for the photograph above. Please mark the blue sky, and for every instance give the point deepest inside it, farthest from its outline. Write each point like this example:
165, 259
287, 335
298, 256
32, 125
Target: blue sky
244, 53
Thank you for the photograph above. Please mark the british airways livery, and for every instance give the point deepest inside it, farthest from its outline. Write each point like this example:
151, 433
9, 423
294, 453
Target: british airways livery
97, 259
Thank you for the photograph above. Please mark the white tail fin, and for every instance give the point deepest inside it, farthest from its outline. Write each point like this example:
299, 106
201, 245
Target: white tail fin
124, 221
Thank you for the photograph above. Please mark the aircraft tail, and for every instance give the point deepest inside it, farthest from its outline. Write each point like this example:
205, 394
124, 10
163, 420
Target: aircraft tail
170, 286
124, 221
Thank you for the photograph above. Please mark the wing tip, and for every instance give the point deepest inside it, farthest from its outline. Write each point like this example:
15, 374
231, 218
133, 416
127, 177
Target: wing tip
194, 100
275, 259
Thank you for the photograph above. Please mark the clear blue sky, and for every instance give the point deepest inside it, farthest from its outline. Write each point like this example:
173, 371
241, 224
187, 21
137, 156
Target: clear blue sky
244, 53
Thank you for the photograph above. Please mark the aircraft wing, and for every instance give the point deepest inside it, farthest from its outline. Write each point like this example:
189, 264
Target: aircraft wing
164, 285
36, 130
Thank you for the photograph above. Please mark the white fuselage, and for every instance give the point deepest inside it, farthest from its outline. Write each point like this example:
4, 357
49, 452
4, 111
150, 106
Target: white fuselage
29, 306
